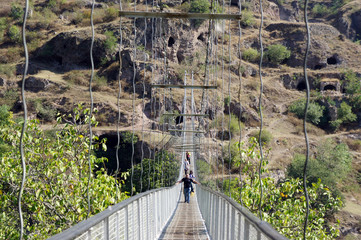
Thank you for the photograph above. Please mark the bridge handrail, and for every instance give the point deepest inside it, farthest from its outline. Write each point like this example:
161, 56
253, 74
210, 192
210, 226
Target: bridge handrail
158, 205
227, 219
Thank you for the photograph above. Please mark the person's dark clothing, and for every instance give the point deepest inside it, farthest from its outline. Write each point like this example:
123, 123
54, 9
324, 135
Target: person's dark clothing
187, 188
187, 182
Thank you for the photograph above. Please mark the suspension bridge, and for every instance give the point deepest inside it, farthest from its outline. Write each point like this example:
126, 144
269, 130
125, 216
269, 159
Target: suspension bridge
161, 213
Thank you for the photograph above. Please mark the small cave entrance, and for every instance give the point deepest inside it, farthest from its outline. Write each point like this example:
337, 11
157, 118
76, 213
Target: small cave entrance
201, 37
318, 66
301, 86
329, 88
171, 42
178, 120
332, 60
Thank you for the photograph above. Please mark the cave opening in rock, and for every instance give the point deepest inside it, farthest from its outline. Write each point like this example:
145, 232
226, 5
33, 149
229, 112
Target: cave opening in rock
201, 37
332, 60
329, 88
318, 67
301, 86
178, 119
171, 41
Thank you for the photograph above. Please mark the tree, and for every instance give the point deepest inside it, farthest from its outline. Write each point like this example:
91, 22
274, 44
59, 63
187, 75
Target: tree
199, 6
331, 164
283, 201
353, 89
154, 173
55, 191
277, 53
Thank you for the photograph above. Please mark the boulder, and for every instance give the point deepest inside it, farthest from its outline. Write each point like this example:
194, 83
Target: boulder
34, 84
71, 50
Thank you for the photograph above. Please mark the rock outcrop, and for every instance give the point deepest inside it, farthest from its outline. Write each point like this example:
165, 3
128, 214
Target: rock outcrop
71, 50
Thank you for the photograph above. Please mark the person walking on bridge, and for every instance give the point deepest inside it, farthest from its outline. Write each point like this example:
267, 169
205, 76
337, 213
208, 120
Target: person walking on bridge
186, 166
188, 156
187, 187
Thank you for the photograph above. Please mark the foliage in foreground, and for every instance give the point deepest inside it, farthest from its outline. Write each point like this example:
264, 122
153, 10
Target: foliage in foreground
283, 202
55, 194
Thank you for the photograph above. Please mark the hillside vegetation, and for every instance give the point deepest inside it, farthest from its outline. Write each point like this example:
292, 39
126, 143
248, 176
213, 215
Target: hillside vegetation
58, 34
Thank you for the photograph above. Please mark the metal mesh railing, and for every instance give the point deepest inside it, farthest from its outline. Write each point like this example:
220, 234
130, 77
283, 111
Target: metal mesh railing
140, 217
226, 219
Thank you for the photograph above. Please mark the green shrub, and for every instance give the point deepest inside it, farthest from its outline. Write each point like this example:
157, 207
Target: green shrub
110, 42
247, 18
320, 10
16, 11
227, 101
111, 14
3, 24
314, 113
277, 53
204, 171
99, 82
44, 111
266, 136
14, 34
344, 115
331, 164
250, 55
217, 123
353, 89
8, 70
199, 6
184, 7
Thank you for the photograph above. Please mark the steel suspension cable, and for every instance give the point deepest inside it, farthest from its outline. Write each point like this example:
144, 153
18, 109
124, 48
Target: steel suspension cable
162, 35
133, 99
91, 104
21, 144
153, 98
239, 99
160, 133
222, 107
229, 107
214, 106
118, 98
304, 120
143, 103
260, 112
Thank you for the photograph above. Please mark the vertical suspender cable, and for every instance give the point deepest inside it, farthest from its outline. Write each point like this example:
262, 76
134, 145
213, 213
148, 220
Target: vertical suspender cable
222, 107
260, 111
153, 99
119, 93
239, 99
229, 107
162, 34
91, 105
143, 104
304, 121
133, 101
214, 106
23, 164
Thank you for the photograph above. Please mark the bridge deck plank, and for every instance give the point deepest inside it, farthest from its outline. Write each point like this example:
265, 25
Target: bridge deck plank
187, 222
